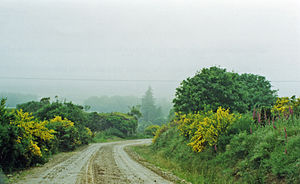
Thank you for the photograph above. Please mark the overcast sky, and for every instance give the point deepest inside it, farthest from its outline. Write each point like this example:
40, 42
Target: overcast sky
144, 40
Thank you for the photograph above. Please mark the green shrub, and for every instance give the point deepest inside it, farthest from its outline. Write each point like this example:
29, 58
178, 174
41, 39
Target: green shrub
114, 132
265, 154
268, 154
151, 130
66, 134
24, 141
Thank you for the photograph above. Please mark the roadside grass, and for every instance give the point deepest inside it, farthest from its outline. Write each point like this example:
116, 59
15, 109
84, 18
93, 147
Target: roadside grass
101, 138
269, 154
198, 173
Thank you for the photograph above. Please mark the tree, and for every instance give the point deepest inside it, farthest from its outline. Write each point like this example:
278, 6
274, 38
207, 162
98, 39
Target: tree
135, 112
258, 90
213, 87
148, 108
151, 114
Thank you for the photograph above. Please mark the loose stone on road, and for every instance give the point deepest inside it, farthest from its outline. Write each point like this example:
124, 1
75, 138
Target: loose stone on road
99, 163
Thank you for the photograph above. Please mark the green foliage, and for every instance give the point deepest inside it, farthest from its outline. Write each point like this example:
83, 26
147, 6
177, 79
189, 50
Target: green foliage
151, 113
171, 151
26, 140
118, 124
45, 110
66, 134
135, 112
286, 106
213, 87
34, 106
243, 124
23, 140
257, 91
266, 154
151, 130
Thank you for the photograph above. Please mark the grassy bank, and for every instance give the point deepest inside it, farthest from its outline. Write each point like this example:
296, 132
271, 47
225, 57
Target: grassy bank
175, 156
268, 154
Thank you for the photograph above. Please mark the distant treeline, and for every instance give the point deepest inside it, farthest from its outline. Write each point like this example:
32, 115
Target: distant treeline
153, 111
123, 103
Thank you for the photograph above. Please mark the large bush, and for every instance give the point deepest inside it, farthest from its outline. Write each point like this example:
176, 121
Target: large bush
68, 136
119, 124
24, 141
46, 110
204, 129
213, 87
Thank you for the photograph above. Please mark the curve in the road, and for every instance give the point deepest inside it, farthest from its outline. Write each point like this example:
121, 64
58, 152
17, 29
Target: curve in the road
83, 167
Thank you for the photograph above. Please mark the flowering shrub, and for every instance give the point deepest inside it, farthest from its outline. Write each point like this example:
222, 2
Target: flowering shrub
26, 141
151, 130
286, 105
67, 135
160, 131
204, 128
36, 132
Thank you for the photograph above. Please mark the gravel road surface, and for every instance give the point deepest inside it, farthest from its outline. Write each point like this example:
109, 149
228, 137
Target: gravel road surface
98, 163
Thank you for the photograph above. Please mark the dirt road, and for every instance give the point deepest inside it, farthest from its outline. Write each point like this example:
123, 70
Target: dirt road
98, 163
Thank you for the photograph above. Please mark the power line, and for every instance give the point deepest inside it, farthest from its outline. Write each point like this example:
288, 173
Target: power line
113, 80
89, 79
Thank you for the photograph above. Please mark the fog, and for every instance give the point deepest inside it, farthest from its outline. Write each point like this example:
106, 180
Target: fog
80, 48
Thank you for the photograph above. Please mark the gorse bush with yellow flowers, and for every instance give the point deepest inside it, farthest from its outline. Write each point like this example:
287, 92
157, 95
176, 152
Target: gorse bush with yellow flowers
285, 106
35, 131
26, 141
204, 128
67, 136
260, 145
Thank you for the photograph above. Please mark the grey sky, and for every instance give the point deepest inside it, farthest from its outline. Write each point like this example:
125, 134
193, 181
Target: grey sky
145, 40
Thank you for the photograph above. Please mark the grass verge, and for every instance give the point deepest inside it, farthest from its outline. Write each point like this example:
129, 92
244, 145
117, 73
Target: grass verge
134, 153
191, 175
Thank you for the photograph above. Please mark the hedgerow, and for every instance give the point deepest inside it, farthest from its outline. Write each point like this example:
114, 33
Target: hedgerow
250, 148
29, 137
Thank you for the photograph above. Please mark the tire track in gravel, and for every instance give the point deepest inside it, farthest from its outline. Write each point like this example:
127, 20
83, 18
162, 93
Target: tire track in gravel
103, 168
65, 172
135, 172
112, 165
99, 163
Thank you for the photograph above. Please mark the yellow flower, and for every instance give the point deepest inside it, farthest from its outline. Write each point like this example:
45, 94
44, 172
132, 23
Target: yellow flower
204, 128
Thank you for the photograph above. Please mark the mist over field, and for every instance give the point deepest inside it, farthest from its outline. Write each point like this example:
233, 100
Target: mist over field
77, 49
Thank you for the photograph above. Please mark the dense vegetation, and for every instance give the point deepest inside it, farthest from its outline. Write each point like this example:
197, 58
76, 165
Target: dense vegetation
153, 111
35, 130
214, 87
207, 143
